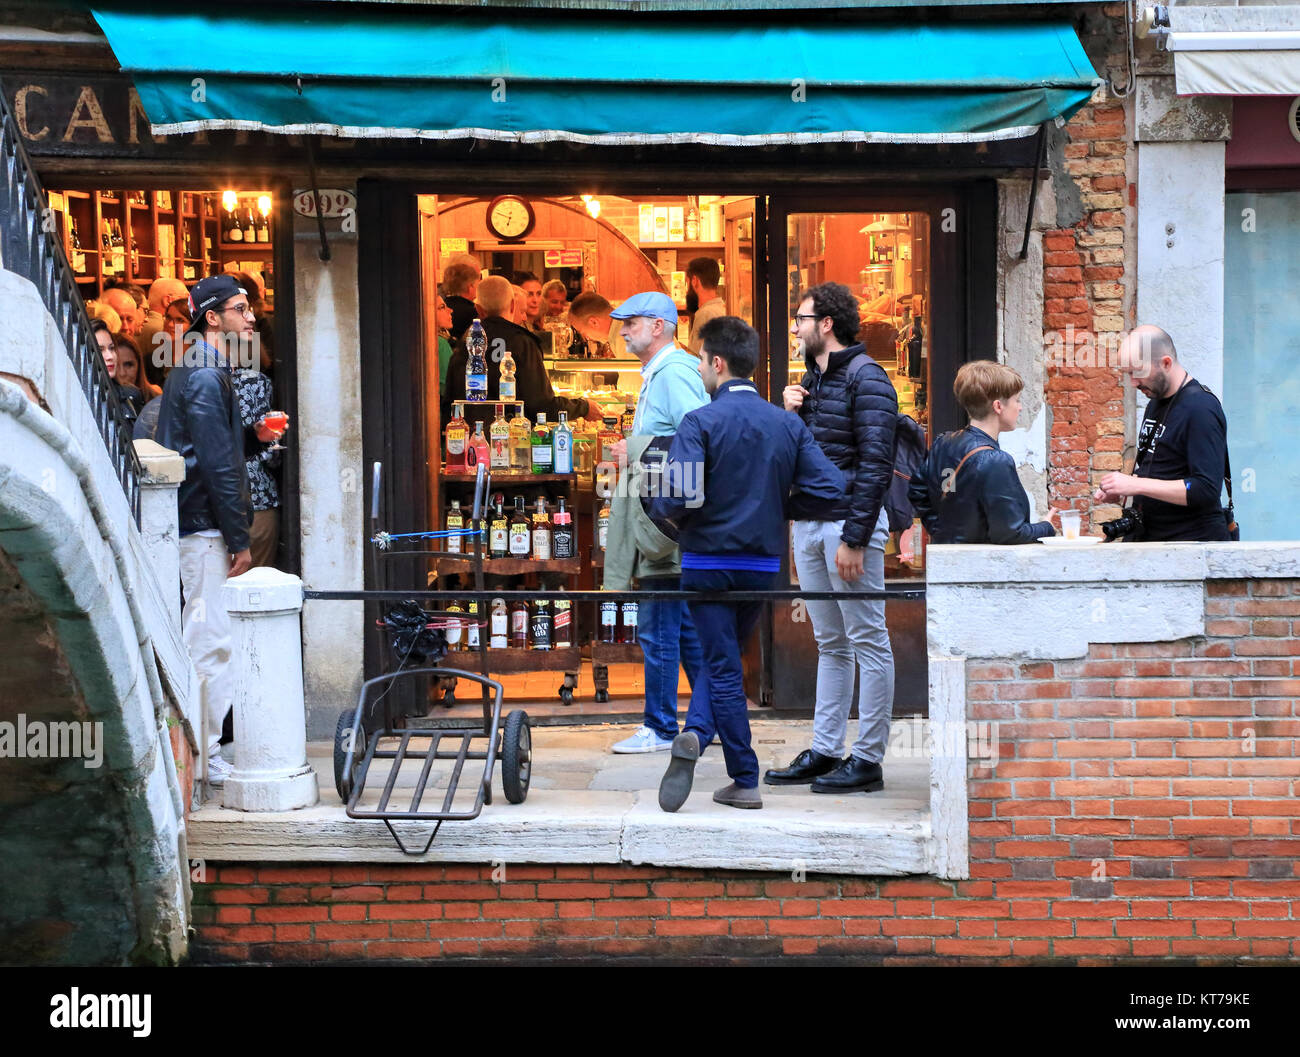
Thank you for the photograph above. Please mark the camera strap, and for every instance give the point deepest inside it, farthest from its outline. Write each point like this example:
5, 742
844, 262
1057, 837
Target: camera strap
1145, 453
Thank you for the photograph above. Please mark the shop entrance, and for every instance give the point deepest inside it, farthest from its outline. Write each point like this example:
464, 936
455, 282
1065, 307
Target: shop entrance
902, 255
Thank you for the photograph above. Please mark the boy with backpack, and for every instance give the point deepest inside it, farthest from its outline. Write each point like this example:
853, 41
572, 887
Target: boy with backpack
848, 402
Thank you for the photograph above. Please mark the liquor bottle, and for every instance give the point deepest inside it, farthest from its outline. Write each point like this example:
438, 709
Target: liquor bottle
476, 381
454, 628
479, 452
119, 248
236, 233
187, 260
627, 631
520, 530
562, 442
250, 226
506, 384
135, 256
543, 455
455, 523
563, 541
472, 628
626, 420
608, 437
562, 636
542, 625
521, 443
519, 625
541, 532
609, 622
602, 524
692, 224
264, 230
499, 638
500, 536
78, 254
499, 441
457, 439
106, 249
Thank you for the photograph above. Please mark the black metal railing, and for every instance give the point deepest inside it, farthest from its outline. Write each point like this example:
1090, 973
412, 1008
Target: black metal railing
31, 247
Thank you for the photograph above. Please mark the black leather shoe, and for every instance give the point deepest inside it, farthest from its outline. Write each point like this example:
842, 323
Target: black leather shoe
806, 766
854, 775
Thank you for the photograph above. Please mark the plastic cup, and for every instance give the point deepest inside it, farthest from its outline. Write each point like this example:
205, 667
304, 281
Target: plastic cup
1070, 524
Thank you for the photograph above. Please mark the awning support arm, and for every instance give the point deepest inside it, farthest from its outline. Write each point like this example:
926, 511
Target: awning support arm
324, 253
1040, 156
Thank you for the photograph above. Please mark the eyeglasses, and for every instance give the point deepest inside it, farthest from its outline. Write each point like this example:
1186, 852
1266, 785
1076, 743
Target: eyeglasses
798, 317
246, 310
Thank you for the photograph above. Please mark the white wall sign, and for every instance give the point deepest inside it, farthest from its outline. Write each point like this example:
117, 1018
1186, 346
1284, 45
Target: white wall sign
333, 202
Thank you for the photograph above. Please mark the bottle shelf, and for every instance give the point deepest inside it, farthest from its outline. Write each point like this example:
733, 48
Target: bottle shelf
517, 659
511, 566
616, 652
507, 480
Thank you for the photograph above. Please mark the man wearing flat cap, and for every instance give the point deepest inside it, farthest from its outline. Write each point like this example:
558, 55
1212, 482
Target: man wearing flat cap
670, 389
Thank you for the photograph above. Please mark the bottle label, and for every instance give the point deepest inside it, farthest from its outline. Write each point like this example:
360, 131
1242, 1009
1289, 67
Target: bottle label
609, 614
476, 388
506, 389
454, 523
471, 633
519, 540
562, 543
500, 541
563, 453
519, 625
563, 625
542, 544
629, 614
456, 438
500, 626
500, 453
542, 456
542, 631
602, 531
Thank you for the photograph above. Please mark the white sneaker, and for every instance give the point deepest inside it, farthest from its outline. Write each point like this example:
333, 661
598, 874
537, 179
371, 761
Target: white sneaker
644, 740
218, 771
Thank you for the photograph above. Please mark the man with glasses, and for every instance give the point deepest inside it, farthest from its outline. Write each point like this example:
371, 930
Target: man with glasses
849, 404
199, 418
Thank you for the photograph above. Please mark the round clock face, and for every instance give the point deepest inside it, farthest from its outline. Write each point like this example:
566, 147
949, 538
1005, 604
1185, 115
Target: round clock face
510, 217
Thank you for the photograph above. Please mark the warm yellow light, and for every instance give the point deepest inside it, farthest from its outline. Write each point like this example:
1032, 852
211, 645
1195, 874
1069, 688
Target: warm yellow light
229, 200
264, 204
593, 207
586, 198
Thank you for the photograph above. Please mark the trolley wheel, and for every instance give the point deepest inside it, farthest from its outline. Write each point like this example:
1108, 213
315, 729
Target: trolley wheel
449, 697
566, 695
345, 783
602, 696
516, 756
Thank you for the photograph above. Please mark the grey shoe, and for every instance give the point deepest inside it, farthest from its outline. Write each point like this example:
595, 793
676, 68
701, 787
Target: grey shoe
675, 786
733, 796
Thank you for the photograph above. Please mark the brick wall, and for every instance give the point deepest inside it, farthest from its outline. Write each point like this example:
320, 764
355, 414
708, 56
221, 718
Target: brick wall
1086, 301
1143, 806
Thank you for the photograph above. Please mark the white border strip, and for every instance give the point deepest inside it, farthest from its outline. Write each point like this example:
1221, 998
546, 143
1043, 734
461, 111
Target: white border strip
620, 139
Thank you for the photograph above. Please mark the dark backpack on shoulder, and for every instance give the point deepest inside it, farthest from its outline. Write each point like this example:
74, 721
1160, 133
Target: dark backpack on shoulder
909, 453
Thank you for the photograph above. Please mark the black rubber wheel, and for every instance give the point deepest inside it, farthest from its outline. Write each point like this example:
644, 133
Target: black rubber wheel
602, 696
344, 783
449, 698
566, 695
516, 756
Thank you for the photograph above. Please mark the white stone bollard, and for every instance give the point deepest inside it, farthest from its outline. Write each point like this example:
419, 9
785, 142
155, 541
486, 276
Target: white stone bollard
271, 772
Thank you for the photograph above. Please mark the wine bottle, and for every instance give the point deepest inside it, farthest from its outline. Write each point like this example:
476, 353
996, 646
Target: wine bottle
236, 227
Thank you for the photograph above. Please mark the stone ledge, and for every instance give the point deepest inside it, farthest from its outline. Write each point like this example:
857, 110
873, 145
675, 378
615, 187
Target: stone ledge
159, 465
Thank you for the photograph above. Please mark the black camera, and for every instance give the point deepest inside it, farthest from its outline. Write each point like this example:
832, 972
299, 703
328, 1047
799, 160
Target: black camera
1129, 522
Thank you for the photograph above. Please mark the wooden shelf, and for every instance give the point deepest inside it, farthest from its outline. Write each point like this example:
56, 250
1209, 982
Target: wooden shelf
510, 479
510, 566
517, 660
681, 245
264, 247
616, 652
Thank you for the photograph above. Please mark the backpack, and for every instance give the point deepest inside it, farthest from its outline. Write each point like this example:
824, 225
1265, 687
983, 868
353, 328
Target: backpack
909, 453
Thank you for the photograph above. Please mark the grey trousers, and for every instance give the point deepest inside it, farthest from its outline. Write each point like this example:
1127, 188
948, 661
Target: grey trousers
851, 637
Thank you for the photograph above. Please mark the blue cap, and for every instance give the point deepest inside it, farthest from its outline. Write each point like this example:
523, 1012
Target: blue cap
653, 305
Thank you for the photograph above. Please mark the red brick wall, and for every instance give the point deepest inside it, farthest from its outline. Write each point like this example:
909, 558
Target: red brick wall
1143, 806
1084, 297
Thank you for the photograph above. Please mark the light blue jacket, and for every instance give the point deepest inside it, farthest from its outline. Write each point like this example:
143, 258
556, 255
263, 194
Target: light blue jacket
670, 389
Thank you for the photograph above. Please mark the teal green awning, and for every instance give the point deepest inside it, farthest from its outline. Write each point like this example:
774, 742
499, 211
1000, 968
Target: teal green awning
431, 73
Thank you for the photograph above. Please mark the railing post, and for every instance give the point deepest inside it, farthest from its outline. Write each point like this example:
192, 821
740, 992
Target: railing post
271, 771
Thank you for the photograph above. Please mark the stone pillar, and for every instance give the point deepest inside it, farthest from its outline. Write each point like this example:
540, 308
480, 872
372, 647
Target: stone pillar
271, 772
163, 472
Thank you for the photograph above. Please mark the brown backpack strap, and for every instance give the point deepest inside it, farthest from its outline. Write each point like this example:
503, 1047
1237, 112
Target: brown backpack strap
952, 488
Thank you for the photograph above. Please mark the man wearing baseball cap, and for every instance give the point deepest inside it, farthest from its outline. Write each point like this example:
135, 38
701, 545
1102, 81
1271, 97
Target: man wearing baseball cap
199, 418
670, 389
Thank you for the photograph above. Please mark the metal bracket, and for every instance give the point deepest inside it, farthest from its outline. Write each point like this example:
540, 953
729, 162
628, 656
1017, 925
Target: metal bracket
324, 253
413, 850
1040, 156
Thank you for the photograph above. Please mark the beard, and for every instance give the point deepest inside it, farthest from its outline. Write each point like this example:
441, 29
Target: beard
692, 302
814, 344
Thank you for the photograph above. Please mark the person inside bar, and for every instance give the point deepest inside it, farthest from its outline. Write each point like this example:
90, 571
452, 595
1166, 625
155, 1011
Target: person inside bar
460, 282
533, 384
532, 288
555, 302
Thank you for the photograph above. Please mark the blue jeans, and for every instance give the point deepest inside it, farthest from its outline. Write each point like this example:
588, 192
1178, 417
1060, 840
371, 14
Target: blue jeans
718, 703
668, 640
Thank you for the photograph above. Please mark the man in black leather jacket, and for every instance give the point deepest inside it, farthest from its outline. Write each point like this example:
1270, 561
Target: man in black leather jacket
199, 418
967, 490
849, 404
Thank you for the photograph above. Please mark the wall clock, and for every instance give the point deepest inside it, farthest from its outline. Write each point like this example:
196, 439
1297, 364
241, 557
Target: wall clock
510, 218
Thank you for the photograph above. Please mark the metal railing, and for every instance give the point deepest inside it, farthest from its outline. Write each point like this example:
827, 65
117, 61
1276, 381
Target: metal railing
30, 247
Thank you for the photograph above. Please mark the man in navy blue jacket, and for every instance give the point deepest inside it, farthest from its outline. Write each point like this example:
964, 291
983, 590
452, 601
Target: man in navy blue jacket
730, 473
